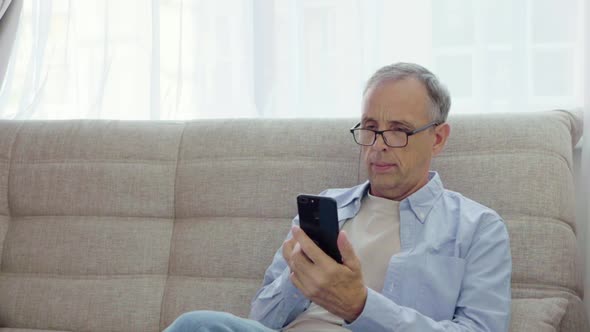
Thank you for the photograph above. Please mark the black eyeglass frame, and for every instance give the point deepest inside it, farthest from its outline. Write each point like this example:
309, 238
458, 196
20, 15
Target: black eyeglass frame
380, 132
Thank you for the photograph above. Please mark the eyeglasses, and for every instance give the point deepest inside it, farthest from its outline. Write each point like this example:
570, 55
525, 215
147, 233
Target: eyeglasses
394, 138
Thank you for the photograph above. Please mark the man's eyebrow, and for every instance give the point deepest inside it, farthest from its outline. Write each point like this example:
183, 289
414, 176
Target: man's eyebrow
392, 122
365, 120
401, 122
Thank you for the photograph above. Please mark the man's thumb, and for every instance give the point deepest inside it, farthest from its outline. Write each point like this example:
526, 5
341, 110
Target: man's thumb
349, 258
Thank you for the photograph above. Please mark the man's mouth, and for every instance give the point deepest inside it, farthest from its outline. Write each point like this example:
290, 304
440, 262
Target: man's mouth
381, 167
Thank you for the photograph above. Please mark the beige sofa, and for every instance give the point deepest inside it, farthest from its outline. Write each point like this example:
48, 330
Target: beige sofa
122, 226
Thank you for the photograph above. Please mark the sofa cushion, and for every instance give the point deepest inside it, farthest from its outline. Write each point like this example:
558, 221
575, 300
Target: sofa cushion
539, 315
81, 303
28, 330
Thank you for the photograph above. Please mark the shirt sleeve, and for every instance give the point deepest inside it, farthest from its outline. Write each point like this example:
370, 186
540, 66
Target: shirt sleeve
278, 301
483, 303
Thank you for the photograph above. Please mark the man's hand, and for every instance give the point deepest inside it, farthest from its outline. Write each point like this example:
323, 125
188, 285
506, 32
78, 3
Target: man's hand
338, 288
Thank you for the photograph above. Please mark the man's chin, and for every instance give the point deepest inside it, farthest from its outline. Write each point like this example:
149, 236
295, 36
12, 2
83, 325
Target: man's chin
381, 180
391, 175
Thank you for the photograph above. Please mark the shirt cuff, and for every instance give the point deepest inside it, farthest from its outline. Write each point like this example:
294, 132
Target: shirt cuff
377, 307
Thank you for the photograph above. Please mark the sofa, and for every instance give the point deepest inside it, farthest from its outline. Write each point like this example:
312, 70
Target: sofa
124, 225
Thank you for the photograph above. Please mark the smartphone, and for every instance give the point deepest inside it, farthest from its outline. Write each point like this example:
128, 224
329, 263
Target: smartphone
318, 218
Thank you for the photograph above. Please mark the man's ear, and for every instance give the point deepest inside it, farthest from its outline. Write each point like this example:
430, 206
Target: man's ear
441, 133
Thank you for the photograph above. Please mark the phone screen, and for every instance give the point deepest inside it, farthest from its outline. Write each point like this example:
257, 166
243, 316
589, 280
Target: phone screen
318, 218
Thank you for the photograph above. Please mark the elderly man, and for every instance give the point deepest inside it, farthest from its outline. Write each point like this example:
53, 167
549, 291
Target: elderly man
415, 257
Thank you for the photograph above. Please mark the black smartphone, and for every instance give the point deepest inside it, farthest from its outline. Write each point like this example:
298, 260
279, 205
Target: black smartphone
318, 218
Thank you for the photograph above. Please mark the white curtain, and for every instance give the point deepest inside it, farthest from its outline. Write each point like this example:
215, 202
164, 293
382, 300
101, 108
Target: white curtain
9, 17
175, 59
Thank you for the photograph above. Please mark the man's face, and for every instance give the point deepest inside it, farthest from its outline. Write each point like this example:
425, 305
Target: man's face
395, 173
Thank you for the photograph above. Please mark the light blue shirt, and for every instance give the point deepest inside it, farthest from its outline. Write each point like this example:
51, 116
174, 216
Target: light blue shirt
452, 273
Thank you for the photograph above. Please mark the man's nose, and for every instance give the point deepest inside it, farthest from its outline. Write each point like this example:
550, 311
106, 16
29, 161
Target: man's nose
380, 142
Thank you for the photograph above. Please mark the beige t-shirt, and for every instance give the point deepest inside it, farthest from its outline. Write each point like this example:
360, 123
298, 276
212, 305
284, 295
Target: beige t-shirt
374, 234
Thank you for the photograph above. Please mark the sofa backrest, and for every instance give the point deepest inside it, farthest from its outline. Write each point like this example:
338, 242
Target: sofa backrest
123, 226
91, 217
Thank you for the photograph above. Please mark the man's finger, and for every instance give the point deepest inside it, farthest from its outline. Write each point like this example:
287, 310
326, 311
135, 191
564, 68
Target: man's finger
296, 282
349, 257
300, 261
302, 281
288, 247
311, 250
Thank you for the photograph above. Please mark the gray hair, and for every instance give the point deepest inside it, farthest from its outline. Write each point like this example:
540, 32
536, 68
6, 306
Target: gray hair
437, 92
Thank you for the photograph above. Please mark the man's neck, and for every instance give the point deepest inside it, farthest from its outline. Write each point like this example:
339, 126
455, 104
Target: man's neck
399, 195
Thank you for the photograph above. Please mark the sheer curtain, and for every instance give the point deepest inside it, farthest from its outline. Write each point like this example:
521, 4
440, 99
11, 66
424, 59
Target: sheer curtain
175, 59
9, 17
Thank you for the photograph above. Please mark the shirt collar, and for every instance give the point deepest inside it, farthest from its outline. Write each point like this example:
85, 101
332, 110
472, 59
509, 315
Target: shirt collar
420, 202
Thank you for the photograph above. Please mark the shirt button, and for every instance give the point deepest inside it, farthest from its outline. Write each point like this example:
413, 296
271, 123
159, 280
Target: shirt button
421, 215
